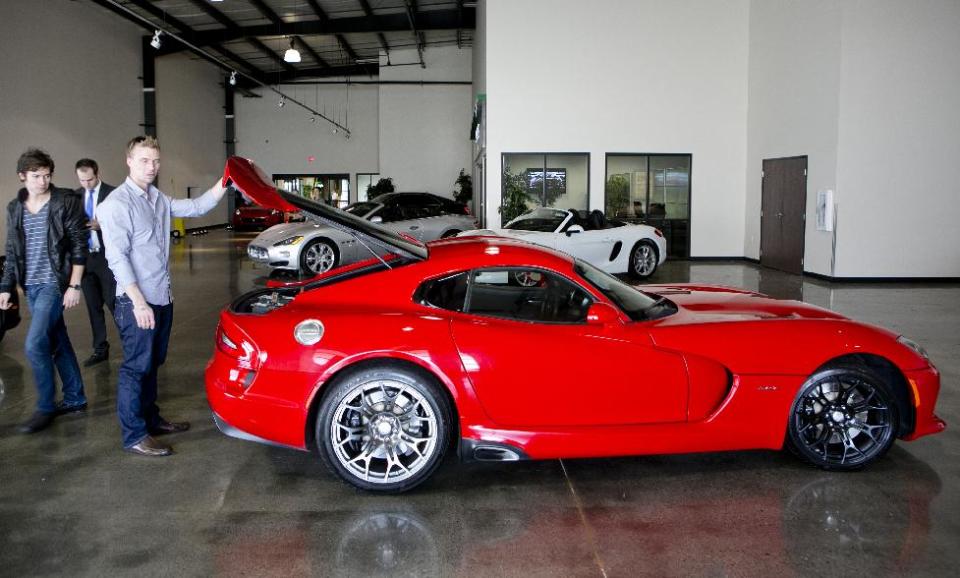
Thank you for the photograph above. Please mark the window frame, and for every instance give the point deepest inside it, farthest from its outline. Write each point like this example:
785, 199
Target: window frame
544, 168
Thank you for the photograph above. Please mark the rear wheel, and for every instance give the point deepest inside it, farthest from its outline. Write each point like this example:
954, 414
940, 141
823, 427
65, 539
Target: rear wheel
384, 427
843, 418
319, 256
643, 260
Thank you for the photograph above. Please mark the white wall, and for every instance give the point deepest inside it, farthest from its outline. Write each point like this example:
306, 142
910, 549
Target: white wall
425, 129
794, 108
640, 76
73, 94
282, 140
190, 128
899, 140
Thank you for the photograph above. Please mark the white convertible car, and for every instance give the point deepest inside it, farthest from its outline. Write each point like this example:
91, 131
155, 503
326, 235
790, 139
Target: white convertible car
614, 246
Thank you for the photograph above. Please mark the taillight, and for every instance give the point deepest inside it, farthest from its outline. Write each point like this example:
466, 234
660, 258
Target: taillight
658, 232
237, 348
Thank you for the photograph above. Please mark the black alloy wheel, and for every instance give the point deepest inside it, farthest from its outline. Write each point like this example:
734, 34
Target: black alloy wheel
843, 418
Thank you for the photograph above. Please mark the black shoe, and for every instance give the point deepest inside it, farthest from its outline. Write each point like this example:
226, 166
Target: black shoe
70, 409
36, 423
150, 447
169, 427
96, 357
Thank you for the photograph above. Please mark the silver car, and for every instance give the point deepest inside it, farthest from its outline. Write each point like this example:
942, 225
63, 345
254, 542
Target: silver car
311, 248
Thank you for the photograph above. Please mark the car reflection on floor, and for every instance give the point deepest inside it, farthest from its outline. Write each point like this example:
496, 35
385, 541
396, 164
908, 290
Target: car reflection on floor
632, 516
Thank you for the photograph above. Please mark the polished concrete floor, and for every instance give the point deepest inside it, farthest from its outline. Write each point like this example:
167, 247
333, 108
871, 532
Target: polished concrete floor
72, 503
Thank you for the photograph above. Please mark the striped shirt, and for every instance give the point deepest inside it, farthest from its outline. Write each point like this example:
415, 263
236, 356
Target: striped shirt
35, 238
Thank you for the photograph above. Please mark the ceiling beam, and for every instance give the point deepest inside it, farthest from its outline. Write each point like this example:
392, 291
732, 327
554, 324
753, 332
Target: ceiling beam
368, 11
321, 72
429, 20
412, 20
311, 52
324, 19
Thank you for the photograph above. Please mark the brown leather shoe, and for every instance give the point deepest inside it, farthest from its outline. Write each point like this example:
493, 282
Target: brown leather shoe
150, 447
169, 427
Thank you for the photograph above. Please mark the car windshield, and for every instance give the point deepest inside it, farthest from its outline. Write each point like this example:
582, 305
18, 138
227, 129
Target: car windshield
361, 209
542, 219
636, 304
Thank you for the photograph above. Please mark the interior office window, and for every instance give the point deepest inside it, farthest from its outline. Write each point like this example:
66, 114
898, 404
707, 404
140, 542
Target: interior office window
364, 181
533, 180
652, 189
333, 190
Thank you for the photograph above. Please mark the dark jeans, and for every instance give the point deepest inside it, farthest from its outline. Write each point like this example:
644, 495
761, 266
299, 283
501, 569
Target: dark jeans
144, 351
99, 288
47, 346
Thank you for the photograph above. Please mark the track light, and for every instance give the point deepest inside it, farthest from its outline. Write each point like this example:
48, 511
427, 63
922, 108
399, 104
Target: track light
282, 101
292, 54
156, 39
233, 78
313, 119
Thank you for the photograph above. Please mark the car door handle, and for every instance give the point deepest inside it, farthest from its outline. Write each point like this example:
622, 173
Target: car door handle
415, 227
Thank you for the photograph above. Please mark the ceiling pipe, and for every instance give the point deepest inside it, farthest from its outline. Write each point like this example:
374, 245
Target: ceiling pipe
117, 7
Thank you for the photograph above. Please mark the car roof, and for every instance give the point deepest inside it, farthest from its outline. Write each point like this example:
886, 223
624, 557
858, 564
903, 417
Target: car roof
488, 251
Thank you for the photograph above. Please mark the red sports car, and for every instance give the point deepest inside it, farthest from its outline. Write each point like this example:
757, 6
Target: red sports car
502, 350
256, 218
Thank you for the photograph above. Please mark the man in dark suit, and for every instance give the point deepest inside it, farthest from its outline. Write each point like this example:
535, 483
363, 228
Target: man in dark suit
99, 285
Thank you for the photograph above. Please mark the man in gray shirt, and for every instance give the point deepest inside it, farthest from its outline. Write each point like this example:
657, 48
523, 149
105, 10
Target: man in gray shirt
135, 222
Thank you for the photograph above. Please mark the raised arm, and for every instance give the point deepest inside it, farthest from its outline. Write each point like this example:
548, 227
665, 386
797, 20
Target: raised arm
199, 206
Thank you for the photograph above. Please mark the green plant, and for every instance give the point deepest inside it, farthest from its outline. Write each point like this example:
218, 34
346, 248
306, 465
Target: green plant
618, 195
382, 186
515, 195
465, 194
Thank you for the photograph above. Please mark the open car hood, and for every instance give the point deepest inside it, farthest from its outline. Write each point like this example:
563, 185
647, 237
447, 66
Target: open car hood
257, 187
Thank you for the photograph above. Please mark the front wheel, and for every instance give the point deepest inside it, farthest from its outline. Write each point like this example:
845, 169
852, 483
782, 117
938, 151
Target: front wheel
843, 418
384, 427
643, 260
317, 257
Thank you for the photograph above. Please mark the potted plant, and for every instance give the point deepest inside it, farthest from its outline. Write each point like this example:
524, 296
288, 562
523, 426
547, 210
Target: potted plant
382, 186
618, 195
515, 196
465, 193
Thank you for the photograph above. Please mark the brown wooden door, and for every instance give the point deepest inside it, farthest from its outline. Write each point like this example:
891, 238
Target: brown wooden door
783, 213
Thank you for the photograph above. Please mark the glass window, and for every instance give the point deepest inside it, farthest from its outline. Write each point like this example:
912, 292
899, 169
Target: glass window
333, 190
544, 180
526, 295
651, 189
447, 293
364, 182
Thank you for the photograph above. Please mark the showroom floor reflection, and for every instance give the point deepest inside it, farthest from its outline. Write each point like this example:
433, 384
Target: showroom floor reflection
72, 502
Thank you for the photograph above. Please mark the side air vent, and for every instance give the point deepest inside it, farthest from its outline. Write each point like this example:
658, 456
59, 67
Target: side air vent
616, 250
494, 454
484, 451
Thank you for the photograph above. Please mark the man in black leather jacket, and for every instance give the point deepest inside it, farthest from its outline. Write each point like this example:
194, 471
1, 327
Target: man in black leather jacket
46, 252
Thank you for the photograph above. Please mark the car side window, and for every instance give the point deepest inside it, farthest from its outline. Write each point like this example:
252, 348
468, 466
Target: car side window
526, 294
390, 212
446, 293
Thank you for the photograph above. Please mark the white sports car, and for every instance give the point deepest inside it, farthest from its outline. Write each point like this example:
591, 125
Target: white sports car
614, 246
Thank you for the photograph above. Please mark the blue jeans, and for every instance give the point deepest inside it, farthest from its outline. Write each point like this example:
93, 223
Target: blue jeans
47, 346
144, 351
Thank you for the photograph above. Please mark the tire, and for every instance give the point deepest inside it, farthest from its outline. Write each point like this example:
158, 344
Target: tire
450, 234
843, 418
318, 256
644, 259
384, 427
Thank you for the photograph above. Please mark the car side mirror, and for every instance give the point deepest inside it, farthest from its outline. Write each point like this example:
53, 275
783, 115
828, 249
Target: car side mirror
574, 229
376, 219
602, 314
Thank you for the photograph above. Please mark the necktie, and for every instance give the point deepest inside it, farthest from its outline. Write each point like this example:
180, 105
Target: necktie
89, 208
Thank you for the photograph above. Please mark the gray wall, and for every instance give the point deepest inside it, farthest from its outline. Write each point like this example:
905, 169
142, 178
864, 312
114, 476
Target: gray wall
68, 84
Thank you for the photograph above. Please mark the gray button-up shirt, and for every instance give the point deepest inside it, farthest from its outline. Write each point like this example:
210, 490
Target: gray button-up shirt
136, 232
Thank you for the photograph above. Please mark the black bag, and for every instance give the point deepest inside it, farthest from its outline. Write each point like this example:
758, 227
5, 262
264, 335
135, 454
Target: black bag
11, 317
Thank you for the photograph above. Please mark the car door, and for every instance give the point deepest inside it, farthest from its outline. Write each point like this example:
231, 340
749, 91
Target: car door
534, 361
593, 246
